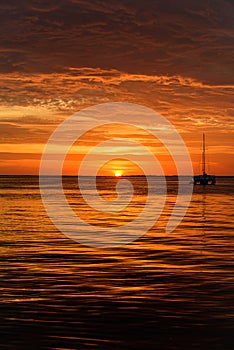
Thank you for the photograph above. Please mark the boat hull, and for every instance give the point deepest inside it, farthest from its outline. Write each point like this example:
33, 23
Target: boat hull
204, 180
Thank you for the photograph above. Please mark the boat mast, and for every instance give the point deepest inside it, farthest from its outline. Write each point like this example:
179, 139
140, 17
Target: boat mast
203, 155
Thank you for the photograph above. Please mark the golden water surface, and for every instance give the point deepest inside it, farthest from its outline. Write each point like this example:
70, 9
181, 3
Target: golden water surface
171, 291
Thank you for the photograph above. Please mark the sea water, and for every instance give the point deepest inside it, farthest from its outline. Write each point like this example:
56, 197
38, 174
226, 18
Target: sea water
162, 291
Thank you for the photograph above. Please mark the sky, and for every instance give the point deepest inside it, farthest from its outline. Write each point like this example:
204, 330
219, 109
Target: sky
173, 56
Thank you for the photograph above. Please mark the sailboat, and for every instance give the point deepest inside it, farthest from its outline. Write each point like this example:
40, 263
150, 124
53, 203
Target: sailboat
204, 179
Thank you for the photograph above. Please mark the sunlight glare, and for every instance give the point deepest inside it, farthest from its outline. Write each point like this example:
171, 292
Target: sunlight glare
118, 173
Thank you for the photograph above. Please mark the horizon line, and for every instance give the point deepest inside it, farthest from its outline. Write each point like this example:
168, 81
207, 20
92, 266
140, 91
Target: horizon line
133, 175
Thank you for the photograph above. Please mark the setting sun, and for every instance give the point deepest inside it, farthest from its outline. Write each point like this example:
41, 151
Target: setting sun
118, 173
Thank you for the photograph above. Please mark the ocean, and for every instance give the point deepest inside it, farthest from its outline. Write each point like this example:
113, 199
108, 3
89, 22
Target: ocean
161, 291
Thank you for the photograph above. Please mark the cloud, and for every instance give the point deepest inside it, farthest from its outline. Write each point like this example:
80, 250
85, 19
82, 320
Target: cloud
17, 133
172, 56
191, 39
64, 93
33, 104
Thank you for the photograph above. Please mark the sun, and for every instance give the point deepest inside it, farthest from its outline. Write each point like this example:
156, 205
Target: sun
118, 173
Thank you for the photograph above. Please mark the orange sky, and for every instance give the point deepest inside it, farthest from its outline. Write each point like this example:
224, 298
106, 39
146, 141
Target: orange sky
175, 60
190, 106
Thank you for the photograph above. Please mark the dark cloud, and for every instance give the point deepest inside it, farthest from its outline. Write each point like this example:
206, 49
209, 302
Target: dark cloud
43, 5
190, 38
11, 133
28, 120
6, 156
57, 57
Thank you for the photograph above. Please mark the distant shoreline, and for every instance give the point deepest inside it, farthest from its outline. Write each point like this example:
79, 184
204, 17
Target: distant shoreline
110, 176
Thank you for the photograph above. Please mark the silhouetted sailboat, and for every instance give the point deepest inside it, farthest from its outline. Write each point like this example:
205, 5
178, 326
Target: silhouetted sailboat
204, 179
